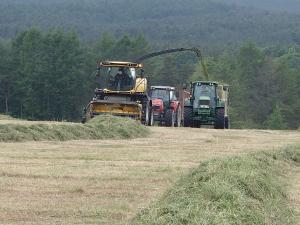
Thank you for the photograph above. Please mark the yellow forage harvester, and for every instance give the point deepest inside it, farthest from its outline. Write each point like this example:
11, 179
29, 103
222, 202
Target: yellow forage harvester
122, 92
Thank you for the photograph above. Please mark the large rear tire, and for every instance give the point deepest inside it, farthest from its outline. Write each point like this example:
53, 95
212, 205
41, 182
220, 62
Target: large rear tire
220, 118
188, 117
170, 118
227, 122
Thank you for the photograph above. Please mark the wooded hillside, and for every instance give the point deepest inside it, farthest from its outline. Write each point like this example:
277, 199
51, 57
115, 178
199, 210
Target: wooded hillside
47, 72
167, 22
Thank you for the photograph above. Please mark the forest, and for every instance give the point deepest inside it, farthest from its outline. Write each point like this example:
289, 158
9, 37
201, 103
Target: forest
50, 76
49, 51
213, 23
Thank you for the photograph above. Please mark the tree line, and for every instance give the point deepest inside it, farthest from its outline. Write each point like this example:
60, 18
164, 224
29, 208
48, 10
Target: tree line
50, 76
165, 23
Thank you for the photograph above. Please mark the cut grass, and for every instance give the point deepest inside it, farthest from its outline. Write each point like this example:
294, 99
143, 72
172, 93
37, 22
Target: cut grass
247, 189
6, 117
101, 127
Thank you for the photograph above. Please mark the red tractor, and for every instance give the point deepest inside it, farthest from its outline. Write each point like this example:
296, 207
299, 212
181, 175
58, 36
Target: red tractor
166, 108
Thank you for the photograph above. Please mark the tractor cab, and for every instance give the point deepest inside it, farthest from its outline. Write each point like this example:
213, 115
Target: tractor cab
165, 93
204, 95
114, 76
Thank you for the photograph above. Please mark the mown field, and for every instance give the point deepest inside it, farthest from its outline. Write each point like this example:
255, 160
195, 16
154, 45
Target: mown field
111, 181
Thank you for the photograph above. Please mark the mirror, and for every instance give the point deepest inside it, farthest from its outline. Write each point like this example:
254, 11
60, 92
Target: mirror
142, 72
226, 88
98, 73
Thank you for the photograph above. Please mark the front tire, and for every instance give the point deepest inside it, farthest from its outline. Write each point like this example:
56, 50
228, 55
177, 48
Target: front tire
170, 118
188, 117
220, 118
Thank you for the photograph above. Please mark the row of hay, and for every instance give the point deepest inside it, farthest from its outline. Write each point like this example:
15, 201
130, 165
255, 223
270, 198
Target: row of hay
248, 190
101, 127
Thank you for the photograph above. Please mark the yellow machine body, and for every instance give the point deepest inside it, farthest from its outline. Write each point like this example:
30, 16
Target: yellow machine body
127, 103
119, 109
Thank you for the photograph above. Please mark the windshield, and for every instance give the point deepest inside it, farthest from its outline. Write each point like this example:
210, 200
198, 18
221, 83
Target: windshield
160, 93
204, 90
117, 78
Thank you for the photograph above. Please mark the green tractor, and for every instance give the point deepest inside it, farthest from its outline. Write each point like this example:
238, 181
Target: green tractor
207, 105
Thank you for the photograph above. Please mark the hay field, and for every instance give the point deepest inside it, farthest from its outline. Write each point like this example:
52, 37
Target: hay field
109, 181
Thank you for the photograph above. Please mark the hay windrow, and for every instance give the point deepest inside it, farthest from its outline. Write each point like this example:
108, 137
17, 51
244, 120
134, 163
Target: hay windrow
249, 190
101, 127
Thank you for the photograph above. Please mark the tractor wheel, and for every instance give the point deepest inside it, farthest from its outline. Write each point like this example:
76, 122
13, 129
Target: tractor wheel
178, 117
220, 119
227, 122
145, 113
188, 117
170, 118
151, 117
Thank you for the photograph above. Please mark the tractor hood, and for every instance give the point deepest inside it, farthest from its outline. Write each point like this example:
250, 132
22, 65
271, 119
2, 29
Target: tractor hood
158, 104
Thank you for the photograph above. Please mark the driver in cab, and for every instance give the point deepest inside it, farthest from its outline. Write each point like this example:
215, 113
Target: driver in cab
122, 80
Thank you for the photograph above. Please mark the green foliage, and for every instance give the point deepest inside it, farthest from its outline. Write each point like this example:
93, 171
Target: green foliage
6, 77
259, 79
270, 5
123, 49
247, 189
49, 76
174, 70
168, 22
101, 127
275, 120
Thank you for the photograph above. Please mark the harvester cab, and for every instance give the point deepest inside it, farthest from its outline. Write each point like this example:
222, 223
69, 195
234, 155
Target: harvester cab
166, 107
207, 105
122, 92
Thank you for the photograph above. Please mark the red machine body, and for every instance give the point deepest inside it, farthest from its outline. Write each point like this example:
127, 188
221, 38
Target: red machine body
166, 107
